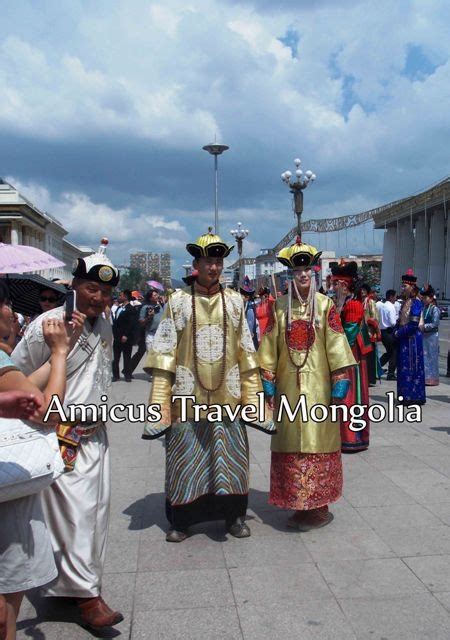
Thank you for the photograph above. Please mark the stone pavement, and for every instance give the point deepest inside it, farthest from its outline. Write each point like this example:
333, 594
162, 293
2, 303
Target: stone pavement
380, 571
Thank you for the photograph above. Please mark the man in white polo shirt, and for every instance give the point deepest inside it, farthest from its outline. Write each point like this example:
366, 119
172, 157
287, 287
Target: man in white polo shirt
388, 320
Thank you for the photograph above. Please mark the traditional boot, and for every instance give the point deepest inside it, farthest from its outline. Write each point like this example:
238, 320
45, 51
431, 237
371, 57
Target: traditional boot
315, 519
96, 614
174, 535
295, 518
238, 528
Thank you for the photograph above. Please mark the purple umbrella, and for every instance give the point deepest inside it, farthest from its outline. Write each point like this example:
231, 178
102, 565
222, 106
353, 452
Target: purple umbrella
154, 284
19, 258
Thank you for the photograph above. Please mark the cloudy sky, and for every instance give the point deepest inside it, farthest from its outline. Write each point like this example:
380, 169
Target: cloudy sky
104, 108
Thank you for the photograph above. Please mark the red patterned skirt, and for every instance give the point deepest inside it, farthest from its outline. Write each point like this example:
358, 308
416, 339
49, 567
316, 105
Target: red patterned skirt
304, 481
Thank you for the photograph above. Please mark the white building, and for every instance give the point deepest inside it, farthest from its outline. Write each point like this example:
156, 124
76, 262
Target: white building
417, 236
21, 222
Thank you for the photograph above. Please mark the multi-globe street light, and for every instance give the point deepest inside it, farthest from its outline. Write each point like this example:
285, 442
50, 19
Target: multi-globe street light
216, 149
239, 235
296, 186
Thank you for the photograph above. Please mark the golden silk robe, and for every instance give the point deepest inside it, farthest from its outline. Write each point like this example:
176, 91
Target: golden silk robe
329, 351
172, 357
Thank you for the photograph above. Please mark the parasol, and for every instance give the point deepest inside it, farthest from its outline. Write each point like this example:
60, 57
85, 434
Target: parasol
17, 258
24, 292
154, 284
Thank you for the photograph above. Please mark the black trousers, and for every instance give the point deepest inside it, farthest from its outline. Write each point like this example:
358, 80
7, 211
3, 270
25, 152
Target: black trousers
120, 348
390, 344
135, 360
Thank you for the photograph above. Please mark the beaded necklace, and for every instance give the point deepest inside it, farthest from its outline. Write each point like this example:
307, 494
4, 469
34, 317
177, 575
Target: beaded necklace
309, 329
195, 347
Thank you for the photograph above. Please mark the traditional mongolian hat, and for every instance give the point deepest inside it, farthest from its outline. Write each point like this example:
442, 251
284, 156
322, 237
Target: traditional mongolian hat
97, 267
209, 245
299, 255
246, 287
346, 271
428, 291
409, 277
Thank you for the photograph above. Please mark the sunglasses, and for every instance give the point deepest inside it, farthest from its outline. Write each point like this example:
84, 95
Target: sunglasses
47, 299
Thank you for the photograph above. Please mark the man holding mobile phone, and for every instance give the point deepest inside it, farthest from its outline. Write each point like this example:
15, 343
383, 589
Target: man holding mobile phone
76, 505
150, 317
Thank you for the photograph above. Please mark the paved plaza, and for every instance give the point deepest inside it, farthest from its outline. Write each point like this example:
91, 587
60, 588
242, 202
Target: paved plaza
380, 571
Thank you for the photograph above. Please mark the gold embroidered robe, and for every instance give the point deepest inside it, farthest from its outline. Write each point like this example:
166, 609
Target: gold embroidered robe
329, 351
172, 356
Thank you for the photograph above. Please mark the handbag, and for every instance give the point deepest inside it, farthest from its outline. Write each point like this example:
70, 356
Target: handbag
29, 459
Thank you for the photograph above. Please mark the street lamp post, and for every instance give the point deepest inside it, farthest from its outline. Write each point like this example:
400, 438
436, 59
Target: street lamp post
239, 235
216, 149
296, 187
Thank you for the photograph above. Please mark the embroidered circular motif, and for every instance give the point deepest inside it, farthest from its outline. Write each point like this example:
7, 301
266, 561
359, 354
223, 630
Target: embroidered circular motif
233, 382
182, 310
301, 336
209, 343
234, 308
334, 320
246, 338
184, 381
165, 337
105, 274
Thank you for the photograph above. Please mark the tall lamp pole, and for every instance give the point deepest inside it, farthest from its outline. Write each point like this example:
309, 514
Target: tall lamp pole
216, 149
296, 187
239, 235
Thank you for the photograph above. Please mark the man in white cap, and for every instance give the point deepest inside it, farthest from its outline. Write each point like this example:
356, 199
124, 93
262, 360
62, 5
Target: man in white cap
76, 506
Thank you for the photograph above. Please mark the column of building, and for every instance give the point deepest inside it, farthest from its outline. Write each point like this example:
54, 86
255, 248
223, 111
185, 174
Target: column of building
404, 250
422, 248
388, 264
436, 270
446, 285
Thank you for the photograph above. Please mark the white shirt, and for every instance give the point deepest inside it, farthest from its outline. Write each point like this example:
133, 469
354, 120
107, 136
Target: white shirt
388, 315
90, 381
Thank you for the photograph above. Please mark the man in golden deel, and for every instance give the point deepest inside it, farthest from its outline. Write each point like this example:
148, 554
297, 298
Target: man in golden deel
203, 348
305, 353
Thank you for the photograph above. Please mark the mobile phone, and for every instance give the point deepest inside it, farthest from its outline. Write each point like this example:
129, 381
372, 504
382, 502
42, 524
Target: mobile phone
71, 304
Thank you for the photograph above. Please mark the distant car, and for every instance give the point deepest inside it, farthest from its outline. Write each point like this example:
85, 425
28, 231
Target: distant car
443, 308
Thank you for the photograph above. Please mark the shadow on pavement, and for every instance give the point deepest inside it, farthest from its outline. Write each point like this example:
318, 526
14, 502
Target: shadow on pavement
444, 429
56, 610
438, 398
147, 512
150, 511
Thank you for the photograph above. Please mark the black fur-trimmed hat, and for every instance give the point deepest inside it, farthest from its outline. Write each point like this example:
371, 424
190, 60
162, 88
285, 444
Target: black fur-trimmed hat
97, 267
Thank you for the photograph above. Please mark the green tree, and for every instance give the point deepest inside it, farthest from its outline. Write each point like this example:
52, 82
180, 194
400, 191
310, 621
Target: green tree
370, 273
133, 279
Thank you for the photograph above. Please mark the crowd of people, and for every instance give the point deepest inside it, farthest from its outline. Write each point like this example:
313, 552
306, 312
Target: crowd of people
207, 348
135, 319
